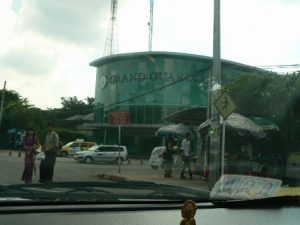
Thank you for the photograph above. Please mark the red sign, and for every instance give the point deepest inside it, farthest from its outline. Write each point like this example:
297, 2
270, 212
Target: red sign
119, 118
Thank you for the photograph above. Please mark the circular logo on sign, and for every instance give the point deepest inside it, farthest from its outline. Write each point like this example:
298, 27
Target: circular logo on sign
103, 82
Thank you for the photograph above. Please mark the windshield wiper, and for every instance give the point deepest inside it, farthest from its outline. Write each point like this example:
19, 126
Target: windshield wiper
54, 193
102, 191
270, 202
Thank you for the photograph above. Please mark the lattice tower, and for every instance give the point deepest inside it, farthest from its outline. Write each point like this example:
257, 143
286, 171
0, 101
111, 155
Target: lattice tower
150, 25
111, 42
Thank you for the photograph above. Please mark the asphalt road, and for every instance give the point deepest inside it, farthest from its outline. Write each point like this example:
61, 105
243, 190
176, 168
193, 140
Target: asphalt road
67, 169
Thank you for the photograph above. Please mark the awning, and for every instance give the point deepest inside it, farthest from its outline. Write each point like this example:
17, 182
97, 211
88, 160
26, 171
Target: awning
241, 124
178, 130
127, 129
192, 116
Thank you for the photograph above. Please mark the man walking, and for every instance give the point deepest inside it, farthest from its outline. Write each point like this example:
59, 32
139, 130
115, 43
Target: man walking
186, 156
171, 147
50, 148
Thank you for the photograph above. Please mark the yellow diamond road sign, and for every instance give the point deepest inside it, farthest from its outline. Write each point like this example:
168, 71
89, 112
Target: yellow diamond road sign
225, 105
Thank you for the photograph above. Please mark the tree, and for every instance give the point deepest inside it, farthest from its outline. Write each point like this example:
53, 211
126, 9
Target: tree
90, 101
271, 96
71, 106
18, 113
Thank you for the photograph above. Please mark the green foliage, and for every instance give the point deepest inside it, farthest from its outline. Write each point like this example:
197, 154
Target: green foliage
73, 106
18, 113
275, 97
70, 106
13, 98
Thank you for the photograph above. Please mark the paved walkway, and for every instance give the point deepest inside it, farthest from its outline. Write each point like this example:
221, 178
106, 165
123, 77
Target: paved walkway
67, 169
136, 171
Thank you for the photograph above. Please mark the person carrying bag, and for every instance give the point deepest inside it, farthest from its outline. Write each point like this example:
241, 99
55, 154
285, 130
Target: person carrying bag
171, 147
50, 148
31, 144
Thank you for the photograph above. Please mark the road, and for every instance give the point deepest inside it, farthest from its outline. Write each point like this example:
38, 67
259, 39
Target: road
67, 169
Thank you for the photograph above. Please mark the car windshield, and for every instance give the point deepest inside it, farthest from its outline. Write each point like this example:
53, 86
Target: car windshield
194, 99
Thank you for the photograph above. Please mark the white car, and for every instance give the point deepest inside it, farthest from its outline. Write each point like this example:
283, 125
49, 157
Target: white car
103, 153
156, 158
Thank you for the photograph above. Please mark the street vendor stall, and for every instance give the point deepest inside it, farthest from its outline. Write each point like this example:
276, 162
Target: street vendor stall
247, 149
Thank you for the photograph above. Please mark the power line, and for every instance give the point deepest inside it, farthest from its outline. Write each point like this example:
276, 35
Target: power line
282, 66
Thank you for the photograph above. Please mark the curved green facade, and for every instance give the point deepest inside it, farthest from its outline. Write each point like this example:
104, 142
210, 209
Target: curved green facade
153, 85
150, 87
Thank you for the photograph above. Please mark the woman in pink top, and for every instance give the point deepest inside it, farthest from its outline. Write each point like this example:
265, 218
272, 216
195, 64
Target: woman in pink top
31, 143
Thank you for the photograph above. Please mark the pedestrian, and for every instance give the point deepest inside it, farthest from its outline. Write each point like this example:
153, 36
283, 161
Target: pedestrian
186, 156
171, 147
50, 148
31, 144
11, 142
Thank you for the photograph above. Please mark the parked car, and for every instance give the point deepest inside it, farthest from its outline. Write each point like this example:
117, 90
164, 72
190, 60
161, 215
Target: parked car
103, 153
75, 146
156, 158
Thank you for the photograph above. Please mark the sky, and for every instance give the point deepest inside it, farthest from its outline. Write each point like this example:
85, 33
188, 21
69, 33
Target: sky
46, 46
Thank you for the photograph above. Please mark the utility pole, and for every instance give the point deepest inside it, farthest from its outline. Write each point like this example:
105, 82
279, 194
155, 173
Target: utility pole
215, 150
209, 88
2, 103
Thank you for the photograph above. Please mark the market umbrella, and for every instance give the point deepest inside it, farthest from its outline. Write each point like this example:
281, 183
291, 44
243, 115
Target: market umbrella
241, 124
178, 130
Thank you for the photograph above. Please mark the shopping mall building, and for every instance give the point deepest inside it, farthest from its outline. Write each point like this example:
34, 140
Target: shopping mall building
152, 89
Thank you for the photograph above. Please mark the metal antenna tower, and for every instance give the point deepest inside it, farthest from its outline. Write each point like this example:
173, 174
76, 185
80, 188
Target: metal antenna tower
150, 25
111, 42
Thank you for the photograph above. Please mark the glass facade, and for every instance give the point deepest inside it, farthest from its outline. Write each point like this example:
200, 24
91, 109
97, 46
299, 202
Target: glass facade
151, 86
154, 85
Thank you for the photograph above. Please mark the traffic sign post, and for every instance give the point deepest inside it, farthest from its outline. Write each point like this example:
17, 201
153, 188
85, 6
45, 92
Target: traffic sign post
225, 106
119, 118
119, 159
223, 148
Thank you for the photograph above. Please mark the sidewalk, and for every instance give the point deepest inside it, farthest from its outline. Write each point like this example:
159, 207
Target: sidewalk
66, 167
196, 183
156, 176
11, 152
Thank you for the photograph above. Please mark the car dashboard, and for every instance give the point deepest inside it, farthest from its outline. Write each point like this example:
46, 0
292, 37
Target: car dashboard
146, 214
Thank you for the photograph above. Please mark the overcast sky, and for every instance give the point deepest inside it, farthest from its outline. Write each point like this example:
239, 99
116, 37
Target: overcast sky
46, 45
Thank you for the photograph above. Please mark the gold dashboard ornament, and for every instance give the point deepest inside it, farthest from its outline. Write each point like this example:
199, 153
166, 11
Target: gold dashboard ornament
188, 212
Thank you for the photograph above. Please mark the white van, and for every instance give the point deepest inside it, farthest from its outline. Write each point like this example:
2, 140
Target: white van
156, 158
103, 153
